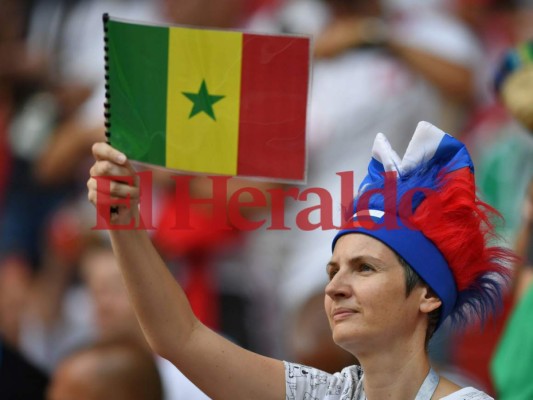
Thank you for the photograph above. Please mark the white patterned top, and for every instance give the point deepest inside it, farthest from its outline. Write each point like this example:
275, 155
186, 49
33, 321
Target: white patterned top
306, 383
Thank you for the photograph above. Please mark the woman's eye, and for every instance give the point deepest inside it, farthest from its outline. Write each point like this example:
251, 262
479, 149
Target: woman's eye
331, 274
365, 267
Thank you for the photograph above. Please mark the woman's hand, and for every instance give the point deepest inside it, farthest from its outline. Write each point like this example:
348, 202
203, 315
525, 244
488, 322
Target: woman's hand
106, 189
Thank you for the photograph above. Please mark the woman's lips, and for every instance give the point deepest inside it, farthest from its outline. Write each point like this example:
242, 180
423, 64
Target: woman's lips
342, 313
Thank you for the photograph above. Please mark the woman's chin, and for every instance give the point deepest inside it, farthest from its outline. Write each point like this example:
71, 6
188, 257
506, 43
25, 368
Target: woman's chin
349, 340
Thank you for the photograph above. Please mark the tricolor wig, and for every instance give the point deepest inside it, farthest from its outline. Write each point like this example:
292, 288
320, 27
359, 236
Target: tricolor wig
425, 208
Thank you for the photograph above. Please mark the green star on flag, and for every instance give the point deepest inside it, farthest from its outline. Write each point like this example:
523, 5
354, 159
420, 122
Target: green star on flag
203, 101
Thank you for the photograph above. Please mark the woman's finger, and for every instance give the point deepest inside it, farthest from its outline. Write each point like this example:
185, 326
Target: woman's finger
106, 201
108, 168
100, 199
103, 151
115, 189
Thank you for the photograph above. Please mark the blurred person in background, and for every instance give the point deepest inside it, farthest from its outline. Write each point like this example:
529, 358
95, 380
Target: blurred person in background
56, 318
79, 299
498, 25
506, 164
51, 68
108, 370
505, 169
512, 358
13, 276
115, 318
511, 362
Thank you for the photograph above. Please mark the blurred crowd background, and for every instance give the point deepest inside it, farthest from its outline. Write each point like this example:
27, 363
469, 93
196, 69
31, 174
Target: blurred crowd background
67, 330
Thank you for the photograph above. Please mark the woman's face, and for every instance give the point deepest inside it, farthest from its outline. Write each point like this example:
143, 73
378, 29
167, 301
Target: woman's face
366, 300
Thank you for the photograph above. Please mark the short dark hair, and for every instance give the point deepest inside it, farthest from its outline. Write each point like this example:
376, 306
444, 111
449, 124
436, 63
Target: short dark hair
412, 280
123, 369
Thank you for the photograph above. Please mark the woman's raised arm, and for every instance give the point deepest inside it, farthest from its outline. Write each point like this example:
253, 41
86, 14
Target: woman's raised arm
220, 368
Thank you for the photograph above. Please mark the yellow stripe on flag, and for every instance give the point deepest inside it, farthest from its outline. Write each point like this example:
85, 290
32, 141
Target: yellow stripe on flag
203, 126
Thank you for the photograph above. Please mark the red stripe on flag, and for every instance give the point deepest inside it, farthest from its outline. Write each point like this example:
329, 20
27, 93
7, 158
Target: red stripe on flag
274, 84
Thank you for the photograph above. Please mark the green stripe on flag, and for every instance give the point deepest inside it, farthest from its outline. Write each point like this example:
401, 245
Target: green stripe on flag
138, 90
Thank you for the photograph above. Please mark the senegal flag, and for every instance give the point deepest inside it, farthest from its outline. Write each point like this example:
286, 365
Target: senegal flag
208, 101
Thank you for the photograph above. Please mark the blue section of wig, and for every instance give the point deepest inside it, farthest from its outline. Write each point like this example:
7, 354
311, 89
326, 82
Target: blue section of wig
483, 298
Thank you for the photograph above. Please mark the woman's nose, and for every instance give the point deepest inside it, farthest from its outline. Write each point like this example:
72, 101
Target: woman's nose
337, 287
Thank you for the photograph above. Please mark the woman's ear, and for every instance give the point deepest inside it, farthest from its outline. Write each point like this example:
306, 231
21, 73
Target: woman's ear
429, 301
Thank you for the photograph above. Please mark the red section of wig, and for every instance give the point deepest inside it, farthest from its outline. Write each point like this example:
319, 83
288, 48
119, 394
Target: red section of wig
460, 225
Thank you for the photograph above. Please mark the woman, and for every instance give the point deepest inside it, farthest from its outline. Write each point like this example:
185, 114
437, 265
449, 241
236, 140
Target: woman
398, 269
